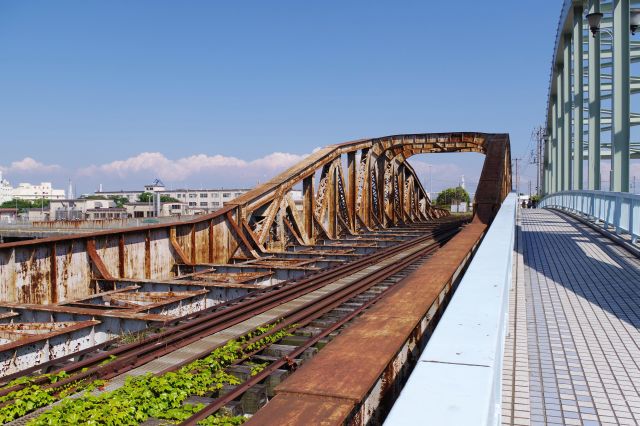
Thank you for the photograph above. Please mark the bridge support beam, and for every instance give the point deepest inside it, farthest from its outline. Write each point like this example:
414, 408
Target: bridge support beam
554, 158
566, 110
578, 96
594, 104
621, 96
560, 134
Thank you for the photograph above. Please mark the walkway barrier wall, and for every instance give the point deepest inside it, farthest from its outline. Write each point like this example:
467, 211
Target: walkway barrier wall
617, 209
458, 378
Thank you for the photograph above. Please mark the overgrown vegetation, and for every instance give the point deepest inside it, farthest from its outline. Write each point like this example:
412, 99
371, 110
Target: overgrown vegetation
161, 397
33, 396
22, 205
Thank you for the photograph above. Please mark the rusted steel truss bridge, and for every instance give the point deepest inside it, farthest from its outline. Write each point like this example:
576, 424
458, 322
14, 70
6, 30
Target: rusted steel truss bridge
364, 220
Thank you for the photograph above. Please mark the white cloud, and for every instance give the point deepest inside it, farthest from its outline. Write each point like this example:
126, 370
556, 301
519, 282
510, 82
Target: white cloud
156, 164
30, 166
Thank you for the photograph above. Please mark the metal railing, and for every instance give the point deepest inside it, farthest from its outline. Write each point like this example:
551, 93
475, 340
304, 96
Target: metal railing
618, 209
458, 378
90, 224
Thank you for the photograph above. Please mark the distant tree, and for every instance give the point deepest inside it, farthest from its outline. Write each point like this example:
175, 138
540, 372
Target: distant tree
147, 197
21, 205
452, 196
119, 200
168, 199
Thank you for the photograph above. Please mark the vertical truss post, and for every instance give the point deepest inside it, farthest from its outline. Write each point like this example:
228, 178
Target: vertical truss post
620, 126
594, 103
400, 180
308, 206
578, 104
566, 121
546, 162
332, 202
555, 145
352, 184
560, 131
381, 184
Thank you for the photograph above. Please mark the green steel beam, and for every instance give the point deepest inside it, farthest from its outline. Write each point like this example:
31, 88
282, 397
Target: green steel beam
621, 96
560, 133
566, 110
555, 159
578, 98
594, 104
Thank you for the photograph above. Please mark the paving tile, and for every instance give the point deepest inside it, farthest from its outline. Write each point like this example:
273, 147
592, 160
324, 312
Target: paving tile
574, 324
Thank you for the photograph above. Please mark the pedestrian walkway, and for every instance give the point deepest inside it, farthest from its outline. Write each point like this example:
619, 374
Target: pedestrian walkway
572, 354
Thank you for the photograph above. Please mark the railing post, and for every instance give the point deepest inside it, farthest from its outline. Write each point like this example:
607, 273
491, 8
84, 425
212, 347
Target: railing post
617, 213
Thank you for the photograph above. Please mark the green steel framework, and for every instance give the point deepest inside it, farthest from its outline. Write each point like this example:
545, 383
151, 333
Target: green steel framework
575, 122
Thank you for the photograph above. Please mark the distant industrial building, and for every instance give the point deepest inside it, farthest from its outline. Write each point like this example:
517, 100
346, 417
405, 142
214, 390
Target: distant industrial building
85, 209
197, 200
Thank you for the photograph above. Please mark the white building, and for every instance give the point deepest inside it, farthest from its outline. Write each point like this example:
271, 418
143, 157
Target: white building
85, 209
205, 200
5, 189
27, 191
145, 210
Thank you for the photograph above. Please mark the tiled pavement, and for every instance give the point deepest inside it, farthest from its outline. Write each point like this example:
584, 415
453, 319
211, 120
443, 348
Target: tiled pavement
572, 354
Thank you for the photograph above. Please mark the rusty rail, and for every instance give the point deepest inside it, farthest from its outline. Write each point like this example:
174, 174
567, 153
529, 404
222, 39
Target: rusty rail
206, 323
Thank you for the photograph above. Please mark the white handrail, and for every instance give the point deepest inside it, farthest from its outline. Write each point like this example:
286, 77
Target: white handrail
458, 378
618, 209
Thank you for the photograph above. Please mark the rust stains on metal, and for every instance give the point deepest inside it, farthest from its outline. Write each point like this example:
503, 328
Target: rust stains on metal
147, 254
383, 330
97, 260
310, 410
240, 234
366, 379
182, 257
378, 189
22, 334
121, 257
53, 278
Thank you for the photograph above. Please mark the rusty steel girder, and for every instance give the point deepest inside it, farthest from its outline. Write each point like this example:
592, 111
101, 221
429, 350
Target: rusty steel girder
347, 189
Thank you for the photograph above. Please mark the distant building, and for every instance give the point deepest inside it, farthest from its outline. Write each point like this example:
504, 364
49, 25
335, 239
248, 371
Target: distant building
141, 210
85, 209
197, 200
27, 191
35, 214
8, 215
5, 189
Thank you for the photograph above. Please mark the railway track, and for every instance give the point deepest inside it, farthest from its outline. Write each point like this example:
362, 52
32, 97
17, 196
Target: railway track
325, 303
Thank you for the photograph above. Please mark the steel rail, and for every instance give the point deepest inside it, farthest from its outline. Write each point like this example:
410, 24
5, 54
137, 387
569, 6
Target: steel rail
311, 311
293, 317
135, 354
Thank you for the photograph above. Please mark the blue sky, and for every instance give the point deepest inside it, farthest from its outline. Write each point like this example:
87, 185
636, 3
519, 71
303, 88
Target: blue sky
203, 93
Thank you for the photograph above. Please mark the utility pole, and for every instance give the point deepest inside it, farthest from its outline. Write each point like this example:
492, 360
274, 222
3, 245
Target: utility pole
430, 183
538, 135
517, 176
